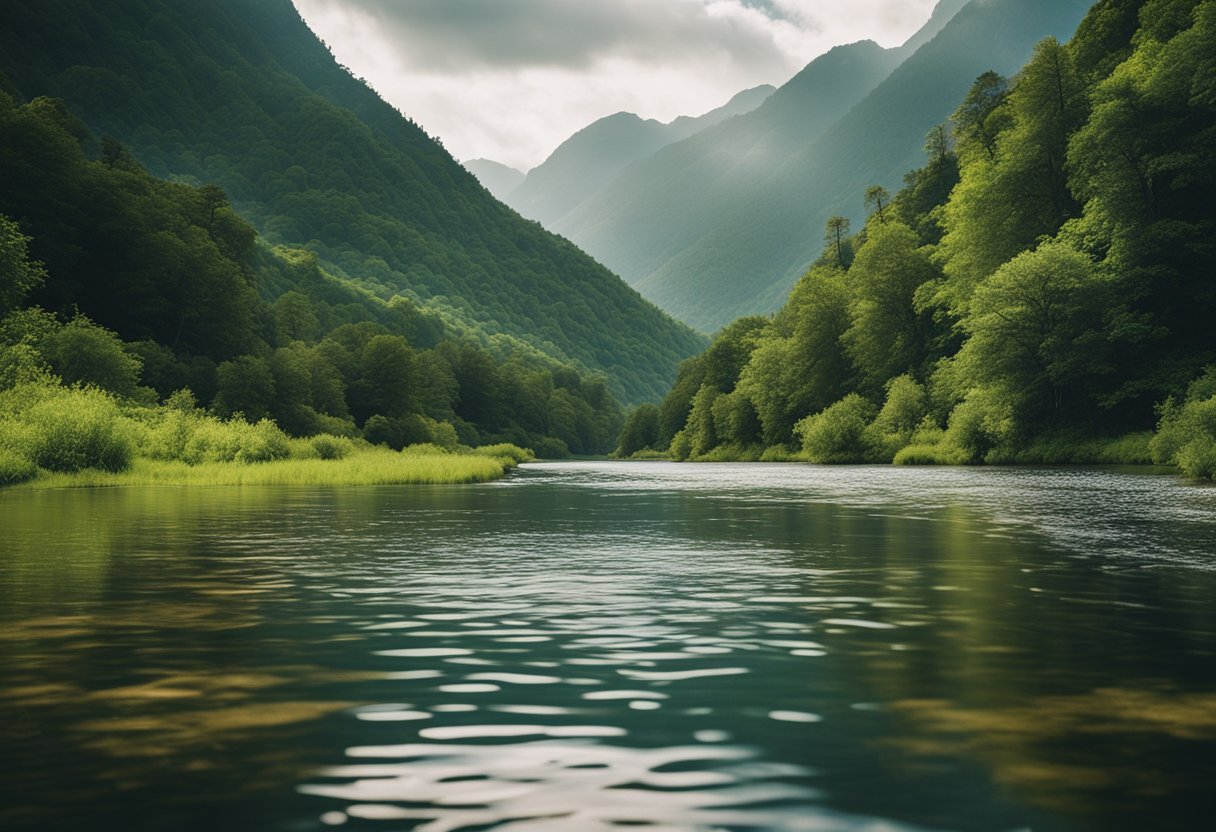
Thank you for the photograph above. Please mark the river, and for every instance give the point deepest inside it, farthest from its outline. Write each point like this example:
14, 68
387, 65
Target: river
607, 646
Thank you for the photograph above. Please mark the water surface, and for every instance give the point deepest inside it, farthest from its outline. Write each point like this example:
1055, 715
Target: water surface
606, 646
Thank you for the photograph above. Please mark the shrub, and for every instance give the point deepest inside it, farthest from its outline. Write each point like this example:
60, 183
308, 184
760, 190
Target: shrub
981, 428
838, 434
1186, 434
331, 447
15, 468
73, 429
550, 447
506, 450
236, 441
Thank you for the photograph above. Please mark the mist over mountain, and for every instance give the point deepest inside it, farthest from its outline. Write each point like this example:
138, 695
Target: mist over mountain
497, 178
722, 224
593, 156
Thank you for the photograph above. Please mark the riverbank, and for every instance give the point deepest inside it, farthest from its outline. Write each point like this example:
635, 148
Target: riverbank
371, 467
57, 437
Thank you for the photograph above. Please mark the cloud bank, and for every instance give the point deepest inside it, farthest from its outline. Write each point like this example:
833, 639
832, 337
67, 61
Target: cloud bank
510, 79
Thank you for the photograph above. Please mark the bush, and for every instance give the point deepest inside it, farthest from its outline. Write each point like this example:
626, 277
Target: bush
981, 428
73, 429
507, 451
550, 447
15, 468
1186, 434
839, 433
331, 447
235, 441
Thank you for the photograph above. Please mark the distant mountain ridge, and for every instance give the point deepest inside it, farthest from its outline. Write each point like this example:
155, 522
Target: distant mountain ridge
721, 225
593, 156
497, 178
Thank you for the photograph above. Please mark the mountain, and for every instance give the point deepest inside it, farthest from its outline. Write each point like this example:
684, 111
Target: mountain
593, 156
495, 177
242, 94
743, 204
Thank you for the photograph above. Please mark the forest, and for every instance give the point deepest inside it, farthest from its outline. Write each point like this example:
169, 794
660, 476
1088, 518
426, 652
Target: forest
121, 293
1041, 290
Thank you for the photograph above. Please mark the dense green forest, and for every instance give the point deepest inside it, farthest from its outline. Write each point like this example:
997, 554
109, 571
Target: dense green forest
241, 94
155, 291
1040, 290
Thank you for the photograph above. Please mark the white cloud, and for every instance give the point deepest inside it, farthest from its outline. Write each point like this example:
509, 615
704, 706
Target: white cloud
510, 79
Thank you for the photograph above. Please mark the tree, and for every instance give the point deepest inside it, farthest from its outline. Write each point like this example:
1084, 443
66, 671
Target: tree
18, 274
836, 229
1034, 330
246, 385
888, 335
641, 431
877, 198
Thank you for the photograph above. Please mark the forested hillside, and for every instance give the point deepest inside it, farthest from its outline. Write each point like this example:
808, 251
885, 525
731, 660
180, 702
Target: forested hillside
1040, 290
241, 94
746, 208
153, 291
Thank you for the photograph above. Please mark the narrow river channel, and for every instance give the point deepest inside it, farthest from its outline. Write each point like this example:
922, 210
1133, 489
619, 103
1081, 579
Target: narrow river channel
610, 646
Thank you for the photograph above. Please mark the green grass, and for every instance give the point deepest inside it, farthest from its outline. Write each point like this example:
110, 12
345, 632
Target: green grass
371, 467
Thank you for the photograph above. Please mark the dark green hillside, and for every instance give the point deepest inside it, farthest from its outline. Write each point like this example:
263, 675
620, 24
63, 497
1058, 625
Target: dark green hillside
242, 94
143, 287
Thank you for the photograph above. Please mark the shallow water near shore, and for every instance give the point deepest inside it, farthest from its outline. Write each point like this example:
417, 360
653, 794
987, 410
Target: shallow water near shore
609, 645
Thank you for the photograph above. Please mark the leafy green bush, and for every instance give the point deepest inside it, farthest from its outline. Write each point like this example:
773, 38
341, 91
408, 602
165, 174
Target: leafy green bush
506, 450
906, 406
332, 447
15, 468
73, 429
550, 447
981, 428
1186, 434
839, 433
235, 441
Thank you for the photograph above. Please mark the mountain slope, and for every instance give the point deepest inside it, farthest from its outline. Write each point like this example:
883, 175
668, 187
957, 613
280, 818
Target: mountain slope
244, 95
495, 177
666, 203
747, 200
875, 143
593, 156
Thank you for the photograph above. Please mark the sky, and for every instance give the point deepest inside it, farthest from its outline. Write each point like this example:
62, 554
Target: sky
509, 80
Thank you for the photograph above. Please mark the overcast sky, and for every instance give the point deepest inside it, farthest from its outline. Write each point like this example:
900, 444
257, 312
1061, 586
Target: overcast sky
509, 80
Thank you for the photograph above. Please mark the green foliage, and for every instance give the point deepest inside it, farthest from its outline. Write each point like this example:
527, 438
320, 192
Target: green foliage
838, 433
1033, 332
61, 429
903, 413
1186, 435
332, 447
798, 366
640, 433
888, 335
507, 451
18, 274
15, 467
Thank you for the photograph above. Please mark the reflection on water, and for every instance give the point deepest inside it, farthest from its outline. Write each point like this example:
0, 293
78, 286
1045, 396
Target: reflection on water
605, 645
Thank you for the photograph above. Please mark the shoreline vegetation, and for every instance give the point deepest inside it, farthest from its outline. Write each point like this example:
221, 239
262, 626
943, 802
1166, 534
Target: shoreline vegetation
53, 436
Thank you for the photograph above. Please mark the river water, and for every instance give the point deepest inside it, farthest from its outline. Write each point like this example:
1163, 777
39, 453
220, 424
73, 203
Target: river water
608, 646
